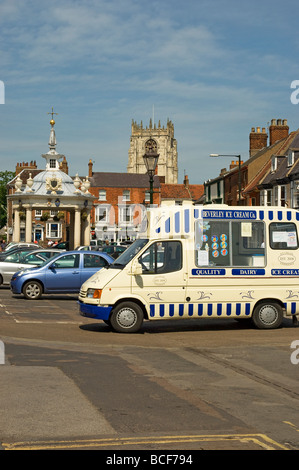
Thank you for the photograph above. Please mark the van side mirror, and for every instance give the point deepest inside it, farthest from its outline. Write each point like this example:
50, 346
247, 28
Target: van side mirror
136, 268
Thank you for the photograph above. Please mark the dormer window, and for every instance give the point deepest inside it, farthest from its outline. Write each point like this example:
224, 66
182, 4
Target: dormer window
290, 158
273, 164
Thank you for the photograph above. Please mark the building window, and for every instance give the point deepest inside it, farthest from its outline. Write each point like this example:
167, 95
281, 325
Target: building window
218, 189
126, 195
101, 213
283, 196
147, 197
125, 214
273, 164
102, 195
266, 197
276, 196
52, 163
38, 213
290, 158
279, 194
54, 230
269, 197
295, 201
151, 146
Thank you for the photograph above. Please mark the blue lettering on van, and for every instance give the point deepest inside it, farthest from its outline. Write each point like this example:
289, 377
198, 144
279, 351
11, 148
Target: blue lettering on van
229, 214
285, 272
248, 272
208, 272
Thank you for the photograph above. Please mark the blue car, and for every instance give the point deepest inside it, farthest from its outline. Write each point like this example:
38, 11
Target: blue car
65, 273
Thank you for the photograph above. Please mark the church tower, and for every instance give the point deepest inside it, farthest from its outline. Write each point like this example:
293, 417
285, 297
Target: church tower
166, 148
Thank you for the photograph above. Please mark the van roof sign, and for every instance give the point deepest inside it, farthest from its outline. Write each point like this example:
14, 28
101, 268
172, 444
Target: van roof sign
176, 221
228, 214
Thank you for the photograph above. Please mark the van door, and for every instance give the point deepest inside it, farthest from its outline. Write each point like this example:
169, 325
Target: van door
162, 284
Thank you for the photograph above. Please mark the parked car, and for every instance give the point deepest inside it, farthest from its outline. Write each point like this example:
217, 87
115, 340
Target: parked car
14, 262
96, 243
86, 248
63, 274
24, 250
20, 245
62, 246
113, 250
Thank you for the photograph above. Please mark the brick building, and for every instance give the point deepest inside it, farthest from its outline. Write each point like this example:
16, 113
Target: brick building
121, 198
225, 187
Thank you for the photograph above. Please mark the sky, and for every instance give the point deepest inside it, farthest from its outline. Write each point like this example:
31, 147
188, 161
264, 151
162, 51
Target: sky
215, 68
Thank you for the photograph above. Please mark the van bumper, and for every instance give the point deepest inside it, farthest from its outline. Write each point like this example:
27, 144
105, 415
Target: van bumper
94, 311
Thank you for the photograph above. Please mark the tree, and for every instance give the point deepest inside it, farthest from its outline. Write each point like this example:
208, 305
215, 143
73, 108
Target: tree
5, 177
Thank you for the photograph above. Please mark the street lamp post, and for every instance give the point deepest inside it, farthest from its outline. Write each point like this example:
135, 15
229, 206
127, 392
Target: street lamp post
150, 161
239, 176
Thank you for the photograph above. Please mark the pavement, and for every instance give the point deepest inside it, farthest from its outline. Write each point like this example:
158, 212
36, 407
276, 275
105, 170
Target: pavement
45, 402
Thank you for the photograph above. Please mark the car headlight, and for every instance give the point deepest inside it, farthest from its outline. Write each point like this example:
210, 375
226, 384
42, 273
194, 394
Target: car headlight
94, 293
19, 273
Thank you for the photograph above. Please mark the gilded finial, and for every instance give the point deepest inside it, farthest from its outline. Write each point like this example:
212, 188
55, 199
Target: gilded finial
52, 122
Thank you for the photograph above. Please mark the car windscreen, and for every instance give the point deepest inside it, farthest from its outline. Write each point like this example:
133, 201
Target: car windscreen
129, 253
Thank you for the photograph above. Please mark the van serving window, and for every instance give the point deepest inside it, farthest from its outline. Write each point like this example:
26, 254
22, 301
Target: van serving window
229, 243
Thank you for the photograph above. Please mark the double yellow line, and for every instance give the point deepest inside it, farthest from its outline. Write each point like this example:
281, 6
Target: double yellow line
257, 440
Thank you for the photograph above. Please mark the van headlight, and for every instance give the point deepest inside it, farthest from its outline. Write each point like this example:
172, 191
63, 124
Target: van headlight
94, 293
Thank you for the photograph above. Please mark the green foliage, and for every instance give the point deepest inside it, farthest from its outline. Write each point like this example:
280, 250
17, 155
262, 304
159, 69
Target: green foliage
5, 177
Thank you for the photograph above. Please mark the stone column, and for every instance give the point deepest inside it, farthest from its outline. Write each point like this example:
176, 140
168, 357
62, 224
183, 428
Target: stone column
28, 233
86, 230
16, 229
77, 228
71, 230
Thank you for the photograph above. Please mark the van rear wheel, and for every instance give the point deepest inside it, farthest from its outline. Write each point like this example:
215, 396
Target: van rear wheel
127, 317
267, 315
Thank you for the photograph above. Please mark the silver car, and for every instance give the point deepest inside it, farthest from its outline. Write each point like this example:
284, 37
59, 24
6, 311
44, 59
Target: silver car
17, 261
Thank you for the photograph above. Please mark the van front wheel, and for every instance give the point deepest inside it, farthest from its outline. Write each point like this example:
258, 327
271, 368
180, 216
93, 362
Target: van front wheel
267, 315
127, 317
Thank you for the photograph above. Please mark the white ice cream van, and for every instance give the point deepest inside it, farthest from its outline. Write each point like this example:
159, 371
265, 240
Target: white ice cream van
202, 261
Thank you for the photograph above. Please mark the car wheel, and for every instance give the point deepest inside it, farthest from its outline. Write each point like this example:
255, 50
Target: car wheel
127, 317
32, 290
267, 315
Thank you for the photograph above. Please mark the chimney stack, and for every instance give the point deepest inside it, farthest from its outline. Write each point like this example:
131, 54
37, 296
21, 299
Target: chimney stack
25, 166
257, 140
90, 164
278, 130
186, 181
